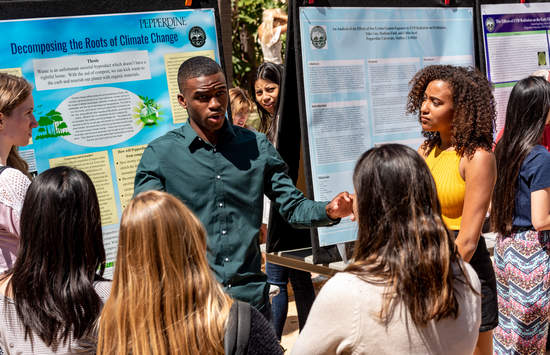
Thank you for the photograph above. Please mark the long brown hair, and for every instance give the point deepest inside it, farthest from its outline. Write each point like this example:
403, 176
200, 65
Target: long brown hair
473, 104
526, 115
164, 298
13, 91
402, 241
268, 123
60, 257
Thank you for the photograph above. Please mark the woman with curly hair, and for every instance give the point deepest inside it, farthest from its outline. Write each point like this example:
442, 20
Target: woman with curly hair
520, 217
457, 112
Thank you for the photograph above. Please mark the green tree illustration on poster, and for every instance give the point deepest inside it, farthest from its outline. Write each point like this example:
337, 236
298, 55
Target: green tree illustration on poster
51, 125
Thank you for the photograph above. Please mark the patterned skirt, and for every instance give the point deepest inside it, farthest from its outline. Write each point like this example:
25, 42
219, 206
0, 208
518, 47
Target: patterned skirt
522, 266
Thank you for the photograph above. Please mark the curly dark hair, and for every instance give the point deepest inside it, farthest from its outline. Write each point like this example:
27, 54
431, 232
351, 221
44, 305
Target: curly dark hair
473, 102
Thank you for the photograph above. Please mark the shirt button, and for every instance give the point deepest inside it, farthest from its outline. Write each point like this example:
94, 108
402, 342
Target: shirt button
11, 345
226, 259
214, 150
220, 204
218, 177
224, 232
228, 285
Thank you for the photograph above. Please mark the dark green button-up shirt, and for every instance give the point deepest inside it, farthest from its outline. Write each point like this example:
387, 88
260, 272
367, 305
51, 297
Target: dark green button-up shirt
224, 186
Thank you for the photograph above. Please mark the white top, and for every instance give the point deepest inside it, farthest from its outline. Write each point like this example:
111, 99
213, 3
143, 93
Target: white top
13, 187
12, 332
343, 321
272, 49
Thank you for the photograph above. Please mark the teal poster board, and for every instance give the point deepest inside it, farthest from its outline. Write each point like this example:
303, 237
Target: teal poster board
105, 86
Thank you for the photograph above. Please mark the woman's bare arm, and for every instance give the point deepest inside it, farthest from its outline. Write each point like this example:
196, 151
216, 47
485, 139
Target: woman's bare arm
540, 209
480, 177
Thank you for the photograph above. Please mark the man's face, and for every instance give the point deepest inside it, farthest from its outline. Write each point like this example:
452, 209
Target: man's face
205, 99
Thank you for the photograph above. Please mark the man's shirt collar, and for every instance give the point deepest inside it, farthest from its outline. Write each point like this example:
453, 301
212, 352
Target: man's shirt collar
193, 141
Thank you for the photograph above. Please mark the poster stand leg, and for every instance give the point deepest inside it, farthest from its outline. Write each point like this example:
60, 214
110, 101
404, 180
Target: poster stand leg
342, 251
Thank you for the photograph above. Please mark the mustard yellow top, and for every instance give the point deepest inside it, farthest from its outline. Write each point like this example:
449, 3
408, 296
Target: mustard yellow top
451, 187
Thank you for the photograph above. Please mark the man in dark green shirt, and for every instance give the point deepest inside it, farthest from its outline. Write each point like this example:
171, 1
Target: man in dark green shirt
221, 172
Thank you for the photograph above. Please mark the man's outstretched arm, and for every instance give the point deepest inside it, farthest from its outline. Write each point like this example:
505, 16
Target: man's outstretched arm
293, 206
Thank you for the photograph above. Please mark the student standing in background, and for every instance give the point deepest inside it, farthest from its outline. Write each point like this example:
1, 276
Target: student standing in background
16, 124
520, 216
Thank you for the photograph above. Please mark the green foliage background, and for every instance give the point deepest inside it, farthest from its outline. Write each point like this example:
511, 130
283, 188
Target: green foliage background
247, 52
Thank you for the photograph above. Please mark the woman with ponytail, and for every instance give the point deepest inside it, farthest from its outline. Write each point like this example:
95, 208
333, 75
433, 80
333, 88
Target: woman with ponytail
16, 124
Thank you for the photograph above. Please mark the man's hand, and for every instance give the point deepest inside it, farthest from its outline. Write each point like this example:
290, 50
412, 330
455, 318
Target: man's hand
341, 206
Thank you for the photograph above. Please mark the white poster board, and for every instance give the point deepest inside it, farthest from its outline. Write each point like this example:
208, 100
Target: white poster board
357, 63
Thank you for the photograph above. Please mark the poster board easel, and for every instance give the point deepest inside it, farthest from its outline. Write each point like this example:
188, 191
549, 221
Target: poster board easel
295, 73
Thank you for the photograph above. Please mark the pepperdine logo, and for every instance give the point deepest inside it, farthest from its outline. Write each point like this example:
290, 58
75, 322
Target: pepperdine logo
168, 22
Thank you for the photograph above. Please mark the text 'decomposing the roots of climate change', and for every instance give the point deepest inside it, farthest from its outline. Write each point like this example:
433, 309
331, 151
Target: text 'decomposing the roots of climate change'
105, 86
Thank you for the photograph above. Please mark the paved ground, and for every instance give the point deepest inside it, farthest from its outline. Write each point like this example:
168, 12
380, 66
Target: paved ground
290, 332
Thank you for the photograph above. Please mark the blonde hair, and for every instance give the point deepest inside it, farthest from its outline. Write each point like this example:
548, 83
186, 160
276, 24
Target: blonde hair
164, 298
240, 101
13, 91
543, 73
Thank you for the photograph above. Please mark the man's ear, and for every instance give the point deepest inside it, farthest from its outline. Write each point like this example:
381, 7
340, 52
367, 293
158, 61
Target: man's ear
182, 101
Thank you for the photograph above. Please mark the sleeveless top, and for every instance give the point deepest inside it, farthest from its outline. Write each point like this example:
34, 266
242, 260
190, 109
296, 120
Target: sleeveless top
451, 187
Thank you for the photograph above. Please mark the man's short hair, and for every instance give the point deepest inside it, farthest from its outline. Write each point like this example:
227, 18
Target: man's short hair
195, 67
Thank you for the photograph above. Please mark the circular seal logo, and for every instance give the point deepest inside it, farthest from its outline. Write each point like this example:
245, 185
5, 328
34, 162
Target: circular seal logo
490, 24
197, 37
318, 37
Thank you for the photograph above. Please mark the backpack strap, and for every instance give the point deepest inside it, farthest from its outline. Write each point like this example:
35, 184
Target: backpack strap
237, 329
230, 338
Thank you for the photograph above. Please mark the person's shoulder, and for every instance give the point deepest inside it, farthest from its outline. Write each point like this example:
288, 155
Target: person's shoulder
247, 136
482, 161
103, 289
539, 154
262, 339
256, 317
14, 174
480, 156
346, 286
424, 149
247, 132
13, 187
168, 138
536, 163
342, 278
